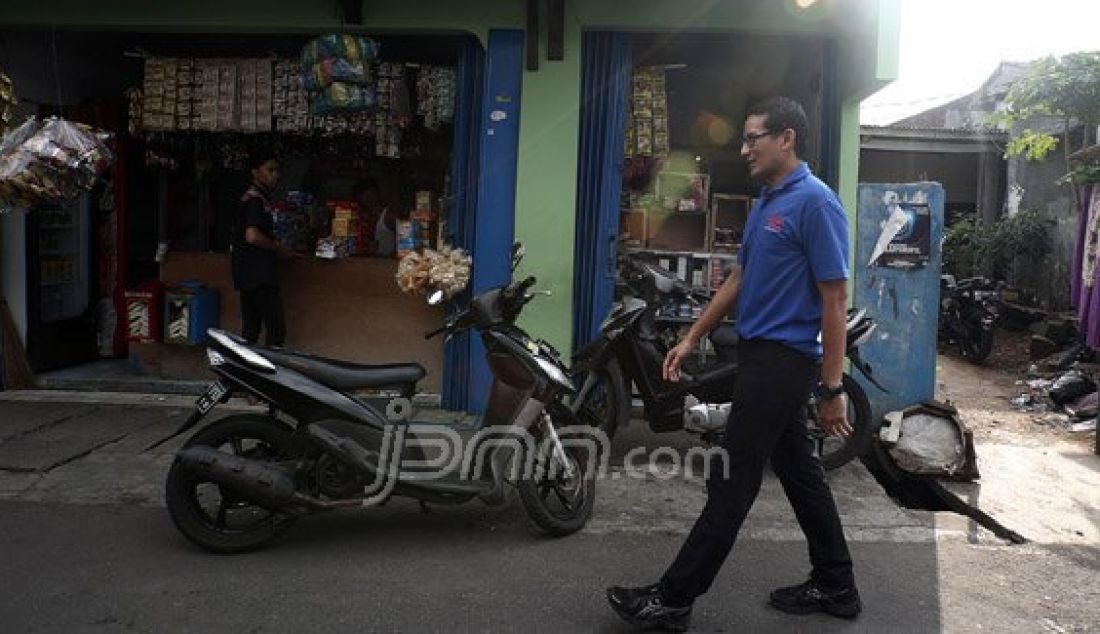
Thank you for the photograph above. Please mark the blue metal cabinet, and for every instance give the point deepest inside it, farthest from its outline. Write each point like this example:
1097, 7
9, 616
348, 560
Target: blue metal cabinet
901, 289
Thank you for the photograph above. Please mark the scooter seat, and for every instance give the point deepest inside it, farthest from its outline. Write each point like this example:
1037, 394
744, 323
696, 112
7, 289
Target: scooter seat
341, 375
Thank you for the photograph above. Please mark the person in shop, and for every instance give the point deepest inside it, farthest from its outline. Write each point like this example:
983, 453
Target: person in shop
795, 249
255, 252
381, 223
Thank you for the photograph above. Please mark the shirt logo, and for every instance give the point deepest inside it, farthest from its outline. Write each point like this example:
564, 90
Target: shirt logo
774, 223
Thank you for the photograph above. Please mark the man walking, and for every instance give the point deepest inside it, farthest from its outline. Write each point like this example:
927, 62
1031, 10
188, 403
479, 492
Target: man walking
790, 290
255, 253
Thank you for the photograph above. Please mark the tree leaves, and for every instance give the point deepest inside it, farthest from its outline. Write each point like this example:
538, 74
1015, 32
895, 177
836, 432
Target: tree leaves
1066, 88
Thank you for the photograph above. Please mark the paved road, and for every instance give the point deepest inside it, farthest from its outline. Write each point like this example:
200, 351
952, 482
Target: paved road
85, 545
72, 568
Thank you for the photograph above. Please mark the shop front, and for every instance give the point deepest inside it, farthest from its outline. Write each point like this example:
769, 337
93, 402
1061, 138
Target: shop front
369, 150
524, 161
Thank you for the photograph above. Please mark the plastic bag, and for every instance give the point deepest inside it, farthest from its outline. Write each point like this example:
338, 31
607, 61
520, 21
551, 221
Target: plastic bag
929, 445
342, 97
322, 74
74, 147
17, 136
1070, 387
339, 45
57, 160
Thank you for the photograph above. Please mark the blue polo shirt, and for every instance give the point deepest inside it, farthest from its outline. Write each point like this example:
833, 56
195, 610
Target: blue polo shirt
795, 236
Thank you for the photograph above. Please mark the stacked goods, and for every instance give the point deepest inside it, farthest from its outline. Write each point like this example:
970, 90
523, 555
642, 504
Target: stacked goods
226, 105
184, 95
406, 238
393, 104
435, 95
336, 71
159, 95
417, 232
290, 103
344, 239
209, 95
422, 219
204, 112
292, 225
647, 122
254, 83
57, 160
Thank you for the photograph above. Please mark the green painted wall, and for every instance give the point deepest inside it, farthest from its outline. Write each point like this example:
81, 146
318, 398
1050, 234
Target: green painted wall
549, 120
546, 184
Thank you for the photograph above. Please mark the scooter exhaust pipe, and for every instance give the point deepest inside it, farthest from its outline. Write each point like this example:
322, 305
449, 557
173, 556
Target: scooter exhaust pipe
266, 484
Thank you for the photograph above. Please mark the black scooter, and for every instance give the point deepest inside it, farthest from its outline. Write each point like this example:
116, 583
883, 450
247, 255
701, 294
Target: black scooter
240, 482
968, 315
632, 349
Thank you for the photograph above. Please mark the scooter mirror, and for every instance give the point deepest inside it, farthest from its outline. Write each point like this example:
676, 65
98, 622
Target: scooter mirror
435, 298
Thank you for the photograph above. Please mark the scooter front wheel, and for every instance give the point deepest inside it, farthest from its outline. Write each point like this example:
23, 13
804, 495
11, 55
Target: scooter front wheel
558, 500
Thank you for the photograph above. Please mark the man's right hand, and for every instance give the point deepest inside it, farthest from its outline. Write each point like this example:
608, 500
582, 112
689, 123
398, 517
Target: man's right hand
675, 358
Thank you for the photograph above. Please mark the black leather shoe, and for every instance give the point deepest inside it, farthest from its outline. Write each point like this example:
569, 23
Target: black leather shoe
646, 609
809, 597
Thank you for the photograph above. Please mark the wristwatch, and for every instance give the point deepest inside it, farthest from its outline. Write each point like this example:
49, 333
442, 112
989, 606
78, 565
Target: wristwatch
823, 392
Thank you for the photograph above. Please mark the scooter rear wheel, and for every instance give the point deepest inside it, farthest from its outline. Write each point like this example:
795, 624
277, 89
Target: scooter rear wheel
215, 518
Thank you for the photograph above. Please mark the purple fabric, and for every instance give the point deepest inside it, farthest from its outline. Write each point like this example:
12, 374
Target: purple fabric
1075, 283
1092, 328
1089, 311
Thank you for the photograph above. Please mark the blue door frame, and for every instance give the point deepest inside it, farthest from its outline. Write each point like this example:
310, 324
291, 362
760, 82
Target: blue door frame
605, 93
462, 219
494, 224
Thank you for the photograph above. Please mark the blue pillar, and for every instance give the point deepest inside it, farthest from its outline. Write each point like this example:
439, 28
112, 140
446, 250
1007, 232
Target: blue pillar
495, 224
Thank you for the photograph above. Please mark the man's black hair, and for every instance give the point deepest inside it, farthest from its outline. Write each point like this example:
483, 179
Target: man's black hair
784, 113
259, 156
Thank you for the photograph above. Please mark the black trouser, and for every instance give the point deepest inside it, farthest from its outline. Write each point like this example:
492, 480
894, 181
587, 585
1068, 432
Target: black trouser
767, 420
263, 306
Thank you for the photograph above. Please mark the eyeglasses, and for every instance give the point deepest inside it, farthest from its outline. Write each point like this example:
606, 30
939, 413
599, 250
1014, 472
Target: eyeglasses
749, 140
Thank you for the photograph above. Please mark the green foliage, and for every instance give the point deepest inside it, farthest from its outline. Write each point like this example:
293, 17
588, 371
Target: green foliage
1067, 88
966, 247
1087, 174
1034, 145
972, 248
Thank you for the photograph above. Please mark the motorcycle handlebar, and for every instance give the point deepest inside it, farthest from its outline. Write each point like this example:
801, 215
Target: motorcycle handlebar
449, 325
522, 287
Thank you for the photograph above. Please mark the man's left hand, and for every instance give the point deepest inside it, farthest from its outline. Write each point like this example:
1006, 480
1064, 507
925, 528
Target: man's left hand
832, 417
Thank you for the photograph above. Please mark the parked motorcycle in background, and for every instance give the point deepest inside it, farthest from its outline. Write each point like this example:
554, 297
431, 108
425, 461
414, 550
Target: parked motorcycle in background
631, 350
968, 315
